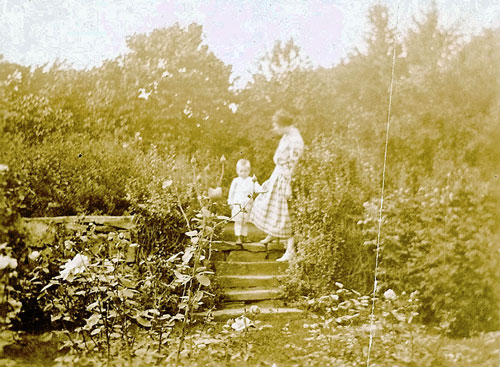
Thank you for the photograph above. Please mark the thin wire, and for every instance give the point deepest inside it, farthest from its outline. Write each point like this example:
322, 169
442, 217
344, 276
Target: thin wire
372, 314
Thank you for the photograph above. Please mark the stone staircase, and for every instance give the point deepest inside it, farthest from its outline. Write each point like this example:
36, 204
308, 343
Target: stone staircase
249, 273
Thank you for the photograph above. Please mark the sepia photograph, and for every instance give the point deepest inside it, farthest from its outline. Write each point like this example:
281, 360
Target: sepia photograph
250, 183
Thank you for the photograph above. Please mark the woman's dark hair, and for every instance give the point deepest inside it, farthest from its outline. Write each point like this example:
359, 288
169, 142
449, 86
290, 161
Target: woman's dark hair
283, 118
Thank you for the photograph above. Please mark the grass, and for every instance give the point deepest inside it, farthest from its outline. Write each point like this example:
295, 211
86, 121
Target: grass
293, 340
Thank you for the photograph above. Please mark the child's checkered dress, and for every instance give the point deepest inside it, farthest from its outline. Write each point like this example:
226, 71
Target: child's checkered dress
270, 209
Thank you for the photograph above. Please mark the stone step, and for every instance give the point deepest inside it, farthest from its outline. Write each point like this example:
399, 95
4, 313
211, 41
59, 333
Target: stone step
269, 303
250, 268
246, 256
247, 246
248, 281
264, 313
254, 234
252, 251
252, 294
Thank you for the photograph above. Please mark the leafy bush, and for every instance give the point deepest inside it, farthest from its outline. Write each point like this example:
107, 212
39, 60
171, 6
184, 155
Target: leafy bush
441, 240
167, 196
330, 187
437, 238
34, 119
107, 300
341, 307
12, 246
74, 176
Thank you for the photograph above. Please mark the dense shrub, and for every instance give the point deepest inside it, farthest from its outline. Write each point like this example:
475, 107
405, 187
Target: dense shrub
441, 240
73, 176
34, 119
167, 196
330, 187
438, 237
12, 245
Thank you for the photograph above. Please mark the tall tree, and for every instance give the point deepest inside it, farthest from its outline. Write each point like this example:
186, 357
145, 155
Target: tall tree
284, 79
170, 87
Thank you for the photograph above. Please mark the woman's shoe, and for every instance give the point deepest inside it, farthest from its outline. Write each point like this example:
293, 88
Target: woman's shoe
287, 256
267, 240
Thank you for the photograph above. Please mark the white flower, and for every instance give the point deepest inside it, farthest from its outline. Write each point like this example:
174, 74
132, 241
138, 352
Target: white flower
166, 184
4, 168
215, 193
390, 295
75, 266
144, 94
233, 107
68, 244
7, 262
34, 255
241, 323
255, 309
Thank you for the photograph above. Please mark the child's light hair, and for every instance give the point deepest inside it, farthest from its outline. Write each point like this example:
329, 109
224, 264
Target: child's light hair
243, 163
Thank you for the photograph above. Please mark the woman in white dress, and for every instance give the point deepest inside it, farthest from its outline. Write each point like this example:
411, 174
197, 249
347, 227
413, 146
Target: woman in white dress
270, 210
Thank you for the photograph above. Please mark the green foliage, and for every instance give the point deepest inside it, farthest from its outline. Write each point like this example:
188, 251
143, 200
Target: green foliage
330, 186
103, 299
34, 119
439, 239
113, 300
74, 176
11, 246
170, 87
166, 196
341, 307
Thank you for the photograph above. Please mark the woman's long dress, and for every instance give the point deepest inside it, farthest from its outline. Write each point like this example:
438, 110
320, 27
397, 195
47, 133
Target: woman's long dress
270, 209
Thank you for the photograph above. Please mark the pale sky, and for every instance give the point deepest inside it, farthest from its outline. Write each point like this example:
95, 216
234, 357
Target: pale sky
85, 32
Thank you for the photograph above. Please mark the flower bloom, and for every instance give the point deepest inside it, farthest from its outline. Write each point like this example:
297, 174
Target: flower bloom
4, 168
255, 309
7, 262
166, 184
390, 295
241, 323
68, 244
215, 193
34, 255
74, 266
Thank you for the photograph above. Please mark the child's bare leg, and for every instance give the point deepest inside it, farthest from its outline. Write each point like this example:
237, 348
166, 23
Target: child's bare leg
244, 227
237, 230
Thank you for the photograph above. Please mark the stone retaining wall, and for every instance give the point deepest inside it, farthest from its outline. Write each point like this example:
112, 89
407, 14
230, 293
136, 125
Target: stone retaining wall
38, 229
42, 231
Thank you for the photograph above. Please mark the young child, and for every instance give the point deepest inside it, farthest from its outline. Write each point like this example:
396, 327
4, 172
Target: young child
240, 198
